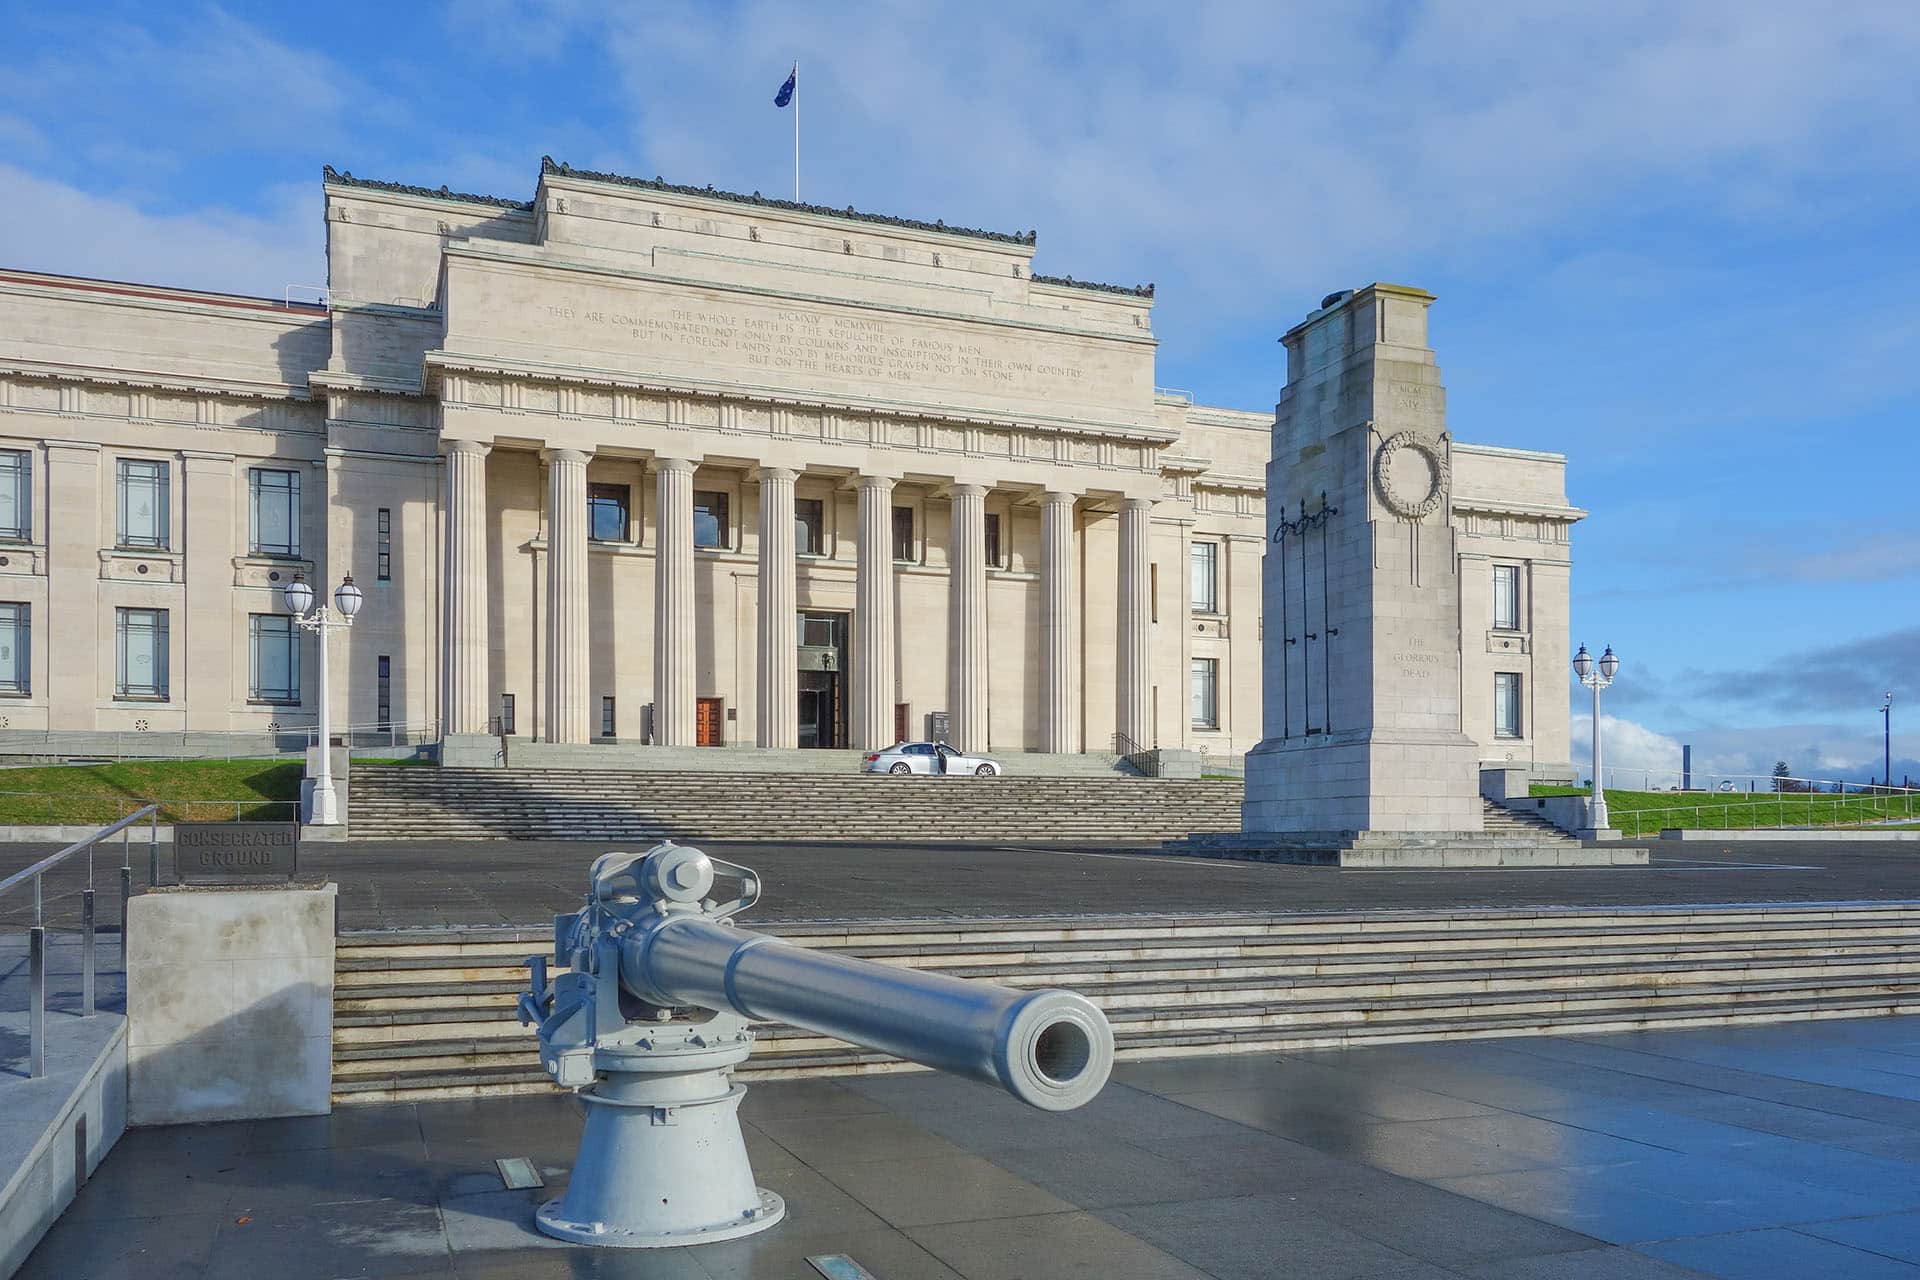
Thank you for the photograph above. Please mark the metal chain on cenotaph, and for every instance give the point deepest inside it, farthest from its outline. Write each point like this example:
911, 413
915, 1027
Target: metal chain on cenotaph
1298, 530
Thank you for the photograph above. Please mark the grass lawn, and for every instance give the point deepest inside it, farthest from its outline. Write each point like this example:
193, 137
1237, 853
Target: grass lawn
1640, 813
187, 790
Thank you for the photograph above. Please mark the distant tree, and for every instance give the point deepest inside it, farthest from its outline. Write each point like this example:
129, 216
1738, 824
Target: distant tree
1782, 776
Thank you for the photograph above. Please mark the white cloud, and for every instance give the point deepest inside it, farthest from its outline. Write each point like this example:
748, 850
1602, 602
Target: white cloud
1638, 757
50, 226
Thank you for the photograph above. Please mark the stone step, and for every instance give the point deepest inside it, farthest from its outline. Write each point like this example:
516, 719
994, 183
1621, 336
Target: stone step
461, 1082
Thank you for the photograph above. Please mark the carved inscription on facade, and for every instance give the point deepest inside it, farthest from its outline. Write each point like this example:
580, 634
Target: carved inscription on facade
795, 341
1418, 661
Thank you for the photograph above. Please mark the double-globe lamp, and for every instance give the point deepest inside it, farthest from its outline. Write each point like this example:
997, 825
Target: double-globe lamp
1596, 675
323, 809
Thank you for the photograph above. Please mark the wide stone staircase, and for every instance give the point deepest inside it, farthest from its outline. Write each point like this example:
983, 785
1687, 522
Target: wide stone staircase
429, 1014
391, 803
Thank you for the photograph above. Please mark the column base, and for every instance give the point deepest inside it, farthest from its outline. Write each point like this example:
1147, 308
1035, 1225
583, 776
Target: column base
1402, 781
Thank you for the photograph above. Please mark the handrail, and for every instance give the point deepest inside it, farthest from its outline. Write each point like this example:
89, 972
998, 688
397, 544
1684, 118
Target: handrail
53, 860
1780, 811
37, 933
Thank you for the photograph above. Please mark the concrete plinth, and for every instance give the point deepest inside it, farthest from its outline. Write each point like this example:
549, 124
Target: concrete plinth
229, 1004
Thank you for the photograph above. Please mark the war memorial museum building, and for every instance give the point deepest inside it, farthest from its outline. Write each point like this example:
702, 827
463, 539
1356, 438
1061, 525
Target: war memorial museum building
635, 463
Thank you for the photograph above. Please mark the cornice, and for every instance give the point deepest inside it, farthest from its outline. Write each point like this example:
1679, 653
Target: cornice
548, 165
329, 176
1068, 282
228, 388
1538, 510
494, 366
501, 252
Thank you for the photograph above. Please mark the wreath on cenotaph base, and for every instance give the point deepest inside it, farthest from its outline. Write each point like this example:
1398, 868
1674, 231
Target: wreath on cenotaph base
1401, 504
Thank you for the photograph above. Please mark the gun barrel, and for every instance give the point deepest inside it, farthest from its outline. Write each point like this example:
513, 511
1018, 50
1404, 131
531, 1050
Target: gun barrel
1052, 1049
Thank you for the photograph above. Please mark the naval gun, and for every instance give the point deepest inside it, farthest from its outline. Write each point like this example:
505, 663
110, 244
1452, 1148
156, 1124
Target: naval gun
656, 1010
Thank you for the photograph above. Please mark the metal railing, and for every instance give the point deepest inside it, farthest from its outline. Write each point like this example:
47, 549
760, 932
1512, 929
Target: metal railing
1145, 760
37, 933
66, 808
197, 744
1775, 811
1641, 779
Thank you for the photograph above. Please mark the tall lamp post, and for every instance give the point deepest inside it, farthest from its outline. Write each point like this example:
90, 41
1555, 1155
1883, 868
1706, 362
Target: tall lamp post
1886, 740
325, 808
1596, 676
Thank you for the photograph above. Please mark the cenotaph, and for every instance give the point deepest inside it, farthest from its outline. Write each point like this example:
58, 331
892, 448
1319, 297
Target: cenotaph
1360, 649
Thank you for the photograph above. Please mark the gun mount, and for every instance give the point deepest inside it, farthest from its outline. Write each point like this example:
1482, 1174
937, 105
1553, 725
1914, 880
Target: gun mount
657, 1009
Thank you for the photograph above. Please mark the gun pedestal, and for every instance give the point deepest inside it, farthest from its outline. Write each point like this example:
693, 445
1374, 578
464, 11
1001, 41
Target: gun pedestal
655, 1013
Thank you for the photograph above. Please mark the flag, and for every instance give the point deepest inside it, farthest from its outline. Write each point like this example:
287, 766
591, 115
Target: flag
785, 95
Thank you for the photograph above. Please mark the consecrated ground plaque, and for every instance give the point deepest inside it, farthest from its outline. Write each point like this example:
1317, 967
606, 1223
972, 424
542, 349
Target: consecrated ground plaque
235, 852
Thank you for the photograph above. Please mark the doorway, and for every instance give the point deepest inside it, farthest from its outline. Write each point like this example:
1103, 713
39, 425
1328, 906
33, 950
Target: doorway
822, 659
709, 719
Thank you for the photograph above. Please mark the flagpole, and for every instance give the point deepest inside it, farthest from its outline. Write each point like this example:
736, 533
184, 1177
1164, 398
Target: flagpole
796, 131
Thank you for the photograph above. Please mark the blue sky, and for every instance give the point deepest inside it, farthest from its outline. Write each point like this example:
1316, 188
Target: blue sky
1680, 244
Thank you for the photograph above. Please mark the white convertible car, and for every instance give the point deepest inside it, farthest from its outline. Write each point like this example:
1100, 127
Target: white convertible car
928, 757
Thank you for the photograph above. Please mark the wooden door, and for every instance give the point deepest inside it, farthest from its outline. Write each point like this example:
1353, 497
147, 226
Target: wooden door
708, 717
900, 722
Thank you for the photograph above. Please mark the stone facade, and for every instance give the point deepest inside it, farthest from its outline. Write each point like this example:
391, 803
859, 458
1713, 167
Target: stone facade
590, 455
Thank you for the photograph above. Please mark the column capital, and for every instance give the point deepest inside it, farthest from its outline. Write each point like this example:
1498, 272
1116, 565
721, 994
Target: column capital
1137, 504
779, 475
472, 448
882, 483
675, 465
579, 456
1056, 497
968, 489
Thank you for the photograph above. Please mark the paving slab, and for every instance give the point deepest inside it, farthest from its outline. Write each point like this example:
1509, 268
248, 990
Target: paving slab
1307, 1165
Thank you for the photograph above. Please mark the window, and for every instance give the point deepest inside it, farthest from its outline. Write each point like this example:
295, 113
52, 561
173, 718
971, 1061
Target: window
1206, 594
16, 494
383, 545
140, 654
903, 534
996, 555
273, 658
383, 693
15, 668
607, 512
273, 512
1206, 693
143, 504
1506, 704
810, 526
606, 717
712, 526
506, 713
1506, 597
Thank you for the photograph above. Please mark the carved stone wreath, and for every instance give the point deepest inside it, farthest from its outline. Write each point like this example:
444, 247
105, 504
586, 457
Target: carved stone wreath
1398, 469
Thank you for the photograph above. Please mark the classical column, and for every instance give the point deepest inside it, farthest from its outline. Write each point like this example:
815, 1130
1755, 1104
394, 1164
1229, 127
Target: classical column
873, 642
967, 619
465, 668
777, 721
1135, 674
1059, 627
568, 718
673, 606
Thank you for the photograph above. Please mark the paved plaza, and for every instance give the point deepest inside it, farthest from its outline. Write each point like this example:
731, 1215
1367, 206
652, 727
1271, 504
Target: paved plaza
1788, 1150
408, 884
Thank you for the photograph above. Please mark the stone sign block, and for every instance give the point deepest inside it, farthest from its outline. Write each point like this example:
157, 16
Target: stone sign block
236, 852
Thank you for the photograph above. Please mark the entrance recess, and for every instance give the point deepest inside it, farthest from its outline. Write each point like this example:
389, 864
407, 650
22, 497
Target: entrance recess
823, 681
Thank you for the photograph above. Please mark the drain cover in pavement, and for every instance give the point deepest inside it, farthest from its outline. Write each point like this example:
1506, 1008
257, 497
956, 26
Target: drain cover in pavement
838, 1266
518, 1172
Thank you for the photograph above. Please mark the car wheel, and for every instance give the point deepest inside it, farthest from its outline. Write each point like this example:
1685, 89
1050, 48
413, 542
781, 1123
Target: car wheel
902, 767
984, 771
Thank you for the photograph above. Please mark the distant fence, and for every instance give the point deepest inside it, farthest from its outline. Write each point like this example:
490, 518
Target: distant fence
59, 809
1626, 779
197, 744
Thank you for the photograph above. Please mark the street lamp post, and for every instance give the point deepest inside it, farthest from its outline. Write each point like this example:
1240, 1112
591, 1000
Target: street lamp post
1596, 676
325, 808
1886, 740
